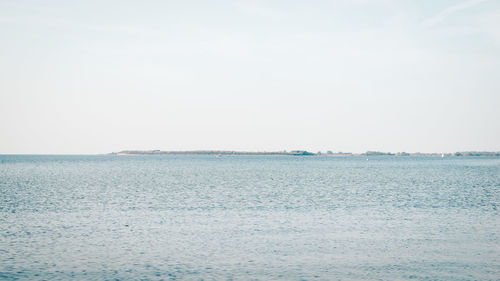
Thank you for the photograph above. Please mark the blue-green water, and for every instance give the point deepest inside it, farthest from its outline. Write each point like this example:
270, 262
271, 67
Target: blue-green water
291, 218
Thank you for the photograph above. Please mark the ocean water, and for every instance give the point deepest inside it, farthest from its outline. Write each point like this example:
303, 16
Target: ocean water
267, 218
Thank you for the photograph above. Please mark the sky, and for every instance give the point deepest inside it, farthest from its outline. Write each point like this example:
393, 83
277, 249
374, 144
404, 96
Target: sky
85, 77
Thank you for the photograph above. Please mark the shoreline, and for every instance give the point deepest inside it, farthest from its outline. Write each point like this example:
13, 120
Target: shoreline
219, 153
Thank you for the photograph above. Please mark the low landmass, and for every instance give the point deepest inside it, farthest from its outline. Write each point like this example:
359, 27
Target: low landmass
214, 152
307, 153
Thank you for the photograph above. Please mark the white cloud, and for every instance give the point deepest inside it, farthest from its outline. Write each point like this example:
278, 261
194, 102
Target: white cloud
430, 22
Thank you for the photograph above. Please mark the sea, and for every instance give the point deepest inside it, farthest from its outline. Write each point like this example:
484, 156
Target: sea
109, 217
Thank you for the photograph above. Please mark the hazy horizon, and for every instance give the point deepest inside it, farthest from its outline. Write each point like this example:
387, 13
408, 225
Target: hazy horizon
355, 153
92, 77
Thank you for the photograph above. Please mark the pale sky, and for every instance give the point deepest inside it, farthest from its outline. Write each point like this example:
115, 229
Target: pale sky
346, 75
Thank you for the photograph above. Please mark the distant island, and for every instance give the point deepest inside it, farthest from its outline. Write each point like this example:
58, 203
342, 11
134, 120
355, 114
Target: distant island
213, 152
307, 153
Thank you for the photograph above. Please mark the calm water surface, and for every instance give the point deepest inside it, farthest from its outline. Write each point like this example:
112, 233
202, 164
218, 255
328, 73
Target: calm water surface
290, 218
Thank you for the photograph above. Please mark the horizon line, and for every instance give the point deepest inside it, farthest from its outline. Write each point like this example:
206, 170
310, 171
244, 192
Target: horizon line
284, 152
